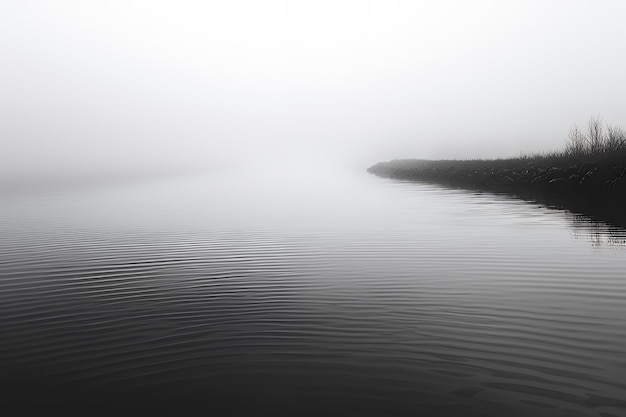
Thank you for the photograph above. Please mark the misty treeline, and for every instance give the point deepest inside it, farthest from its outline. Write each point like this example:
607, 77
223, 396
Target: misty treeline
597, 142
588, 175
598, 138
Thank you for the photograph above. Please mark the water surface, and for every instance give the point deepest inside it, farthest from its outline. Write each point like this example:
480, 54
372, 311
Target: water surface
293, 291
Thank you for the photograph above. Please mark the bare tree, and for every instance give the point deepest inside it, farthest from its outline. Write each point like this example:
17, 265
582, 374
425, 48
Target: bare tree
576, 143
616, 138
595, 135
597, 139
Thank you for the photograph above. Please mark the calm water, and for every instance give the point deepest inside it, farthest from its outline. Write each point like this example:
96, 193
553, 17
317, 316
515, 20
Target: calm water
292, 293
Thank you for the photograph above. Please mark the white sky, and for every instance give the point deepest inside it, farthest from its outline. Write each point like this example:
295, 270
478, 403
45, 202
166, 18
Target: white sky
123, 85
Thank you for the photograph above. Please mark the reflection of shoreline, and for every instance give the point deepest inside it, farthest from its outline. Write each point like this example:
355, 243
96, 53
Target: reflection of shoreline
597, 189
599, 233
602, 228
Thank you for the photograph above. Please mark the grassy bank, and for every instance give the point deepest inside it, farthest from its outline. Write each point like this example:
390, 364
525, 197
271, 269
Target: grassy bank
587, 176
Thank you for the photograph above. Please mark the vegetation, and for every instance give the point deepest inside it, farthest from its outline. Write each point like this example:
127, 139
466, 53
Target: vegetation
588, 175
597, 141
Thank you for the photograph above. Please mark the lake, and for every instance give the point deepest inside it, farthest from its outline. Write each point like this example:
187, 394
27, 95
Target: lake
288, 291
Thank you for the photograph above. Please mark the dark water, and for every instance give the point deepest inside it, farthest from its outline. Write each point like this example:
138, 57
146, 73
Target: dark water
294, 294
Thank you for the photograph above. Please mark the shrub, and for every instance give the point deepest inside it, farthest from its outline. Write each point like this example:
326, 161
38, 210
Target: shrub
597, 139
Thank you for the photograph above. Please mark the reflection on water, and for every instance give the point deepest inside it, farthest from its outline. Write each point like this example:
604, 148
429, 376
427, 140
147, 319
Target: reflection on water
335, 294
598, 233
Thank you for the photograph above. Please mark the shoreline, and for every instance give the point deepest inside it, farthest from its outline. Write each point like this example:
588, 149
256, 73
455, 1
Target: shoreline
596, 188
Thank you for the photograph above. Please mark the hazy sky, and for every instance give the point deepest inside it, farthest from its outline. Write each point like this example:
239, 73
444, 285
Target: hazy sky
123, 85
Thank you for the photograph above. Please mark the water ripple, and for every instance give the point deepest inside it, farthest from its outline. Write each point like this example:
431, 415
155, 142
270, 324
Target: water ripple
483, 316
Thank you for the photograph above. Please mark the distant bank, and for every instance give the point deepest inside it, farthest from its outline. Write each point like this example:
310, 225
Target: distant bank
588, 176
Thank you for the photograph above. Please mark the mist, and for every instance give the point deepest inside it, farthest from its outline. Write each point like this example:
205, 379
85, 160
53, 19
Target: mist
117, 88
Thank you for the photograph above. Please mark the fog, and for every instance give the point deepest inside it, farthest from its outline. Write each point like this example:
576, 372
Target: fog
115, 88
